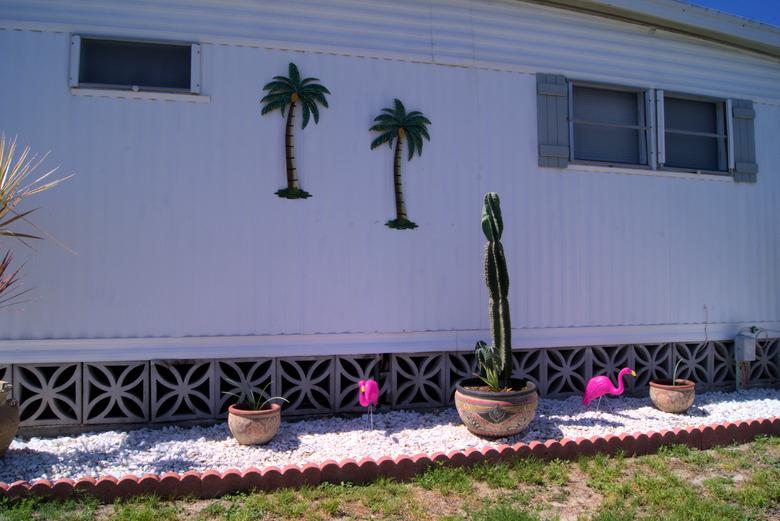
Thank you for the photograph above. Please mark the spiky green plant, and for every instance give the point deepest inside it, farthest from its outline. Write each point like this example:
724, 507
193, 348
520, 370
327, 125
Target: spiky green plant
285, 93
8, 280
395, 125
495, 361
18, 181
256, 402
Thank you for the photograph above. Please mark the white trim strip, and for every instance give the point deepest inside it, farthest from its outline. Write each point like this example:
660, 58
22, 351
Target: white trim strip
195, 68
190, 348
147, 95
661, 126
650, 135
730, 134
582, 168
75, 60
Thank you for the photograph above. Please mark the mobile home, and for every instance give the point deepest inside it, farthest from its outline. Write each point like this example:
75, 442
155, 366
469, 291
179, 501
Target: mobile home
633, 144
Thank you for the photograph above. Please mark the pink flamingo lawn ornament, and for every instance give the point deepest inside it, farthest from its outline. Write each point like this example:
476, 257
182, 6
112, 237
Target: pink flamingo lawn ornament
368, 396
598, 386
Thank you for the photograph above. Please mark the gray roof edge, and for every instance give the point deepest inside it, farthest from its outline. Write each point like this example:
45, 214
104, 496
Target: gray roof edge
684, 18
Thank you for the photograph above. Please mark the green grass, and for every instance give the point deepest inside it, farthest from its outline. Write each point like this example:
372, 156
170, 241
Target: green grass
557, 472
530, 471
688, 455
445, 480
762, 489
146, 509
505, 512
496, 476
731, 483
68, 510
603, 472
667, 496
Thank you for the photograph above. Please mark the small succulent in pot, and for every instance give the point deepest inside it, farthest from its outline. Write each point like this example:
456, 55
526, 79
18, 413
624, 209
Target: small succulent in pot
257, 420
490, 367
502, 406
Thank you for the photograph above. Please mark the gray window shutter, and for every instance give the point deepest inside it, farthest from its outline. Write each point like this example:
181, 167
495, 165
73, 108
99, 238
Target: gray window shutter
744, 136
552, 113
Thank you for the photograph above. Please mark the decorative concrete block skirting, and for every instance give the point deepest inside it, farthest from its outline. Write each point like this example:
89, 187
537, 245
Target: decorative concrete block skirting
211, 484
80, 395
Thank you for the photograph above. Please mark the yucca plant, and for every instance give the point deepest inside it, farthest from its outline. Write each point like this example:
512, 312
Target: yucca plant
395, 125
17, 184
8, 281
285, 93
18, 181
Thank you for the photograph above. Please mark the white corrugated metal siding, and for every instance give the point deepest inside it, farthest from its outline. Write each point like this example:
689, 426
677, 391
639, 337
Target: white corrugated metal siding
503, 34
178, 231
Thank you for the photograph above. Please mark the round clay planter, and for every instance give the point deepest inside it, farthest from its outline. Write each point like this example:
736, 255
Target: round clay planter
675, 399
9, 417
496, 415
253, 427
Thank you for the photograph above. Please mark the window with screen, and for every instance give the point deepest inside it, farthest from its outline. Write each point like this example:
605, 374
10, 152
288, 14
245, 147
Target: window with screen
695, 134
643, 128
136, 65
608, 125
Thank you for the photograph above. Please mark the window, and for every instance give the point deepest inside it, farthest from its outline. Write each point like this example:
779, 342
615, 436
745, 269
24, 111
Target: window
694, 134
608, 125
643, 128
135, 65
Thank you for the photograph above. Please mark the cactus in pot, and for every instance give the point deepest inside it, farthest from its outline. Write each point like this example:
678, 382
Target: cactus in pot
495, 360
493, 404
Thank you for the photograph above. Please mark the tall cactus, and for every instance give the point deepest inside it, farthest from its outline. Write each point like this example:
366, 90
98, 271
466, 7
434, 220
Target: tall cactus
496, 358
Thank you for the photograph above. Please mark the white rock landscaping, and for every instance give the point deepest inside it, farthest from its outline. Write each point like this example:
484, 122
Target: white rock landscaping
178, 449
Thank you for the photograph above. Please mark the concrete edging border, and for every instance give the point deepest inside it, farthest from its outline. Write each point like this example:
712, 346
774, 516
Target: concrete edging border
212, 484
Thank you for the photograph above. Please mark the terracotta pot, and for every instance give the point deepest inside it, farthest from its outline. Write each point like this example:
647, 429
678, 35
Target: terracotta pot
672, 398
253, 427
496, 414
9, 417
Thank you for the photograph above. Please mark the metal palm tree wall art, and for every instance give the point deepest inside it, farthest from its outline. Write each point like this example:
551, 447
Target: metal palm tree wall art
285, 93
395, 125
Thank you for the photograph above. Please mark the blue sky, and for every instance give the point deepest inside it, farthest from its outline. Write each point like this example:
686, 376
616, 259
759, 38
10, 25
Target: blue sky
767, 11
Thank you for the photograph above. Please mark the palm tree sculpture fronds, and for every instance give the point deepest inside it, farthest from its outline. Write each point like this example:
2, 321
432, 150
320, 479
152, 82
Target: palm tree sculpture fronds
289, 91
395, 125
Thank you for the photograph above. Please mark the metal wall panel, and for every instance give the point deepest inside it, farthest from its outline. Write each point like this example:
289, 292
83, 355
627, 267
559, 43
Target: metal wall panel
177, 230
503, 34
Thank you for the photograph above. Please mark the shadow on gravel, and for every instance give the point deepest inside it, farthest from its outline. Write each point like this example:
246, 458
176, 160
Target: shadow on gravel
25, 464
697, 412
553, 422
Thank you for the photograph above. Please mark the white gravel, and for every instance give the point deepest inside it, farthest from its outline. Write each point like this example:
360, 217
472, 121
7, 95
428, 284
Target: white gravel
180, 449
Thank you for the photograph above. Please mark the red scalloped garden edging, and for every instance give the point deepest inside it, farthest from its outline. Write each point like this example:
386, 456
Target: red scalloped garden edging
211, 484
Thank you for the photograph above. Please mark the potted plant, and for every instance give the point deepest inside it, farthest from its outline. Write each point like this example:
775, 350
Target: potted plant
9, 417
256, 421
493, 403
675, 395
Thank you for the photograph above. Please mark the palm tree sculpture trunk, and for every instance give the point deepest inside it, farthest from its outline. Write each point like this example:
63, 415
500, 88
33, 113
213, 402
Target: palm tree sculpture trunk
289, 148
400, 205
395, 125
286, 93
